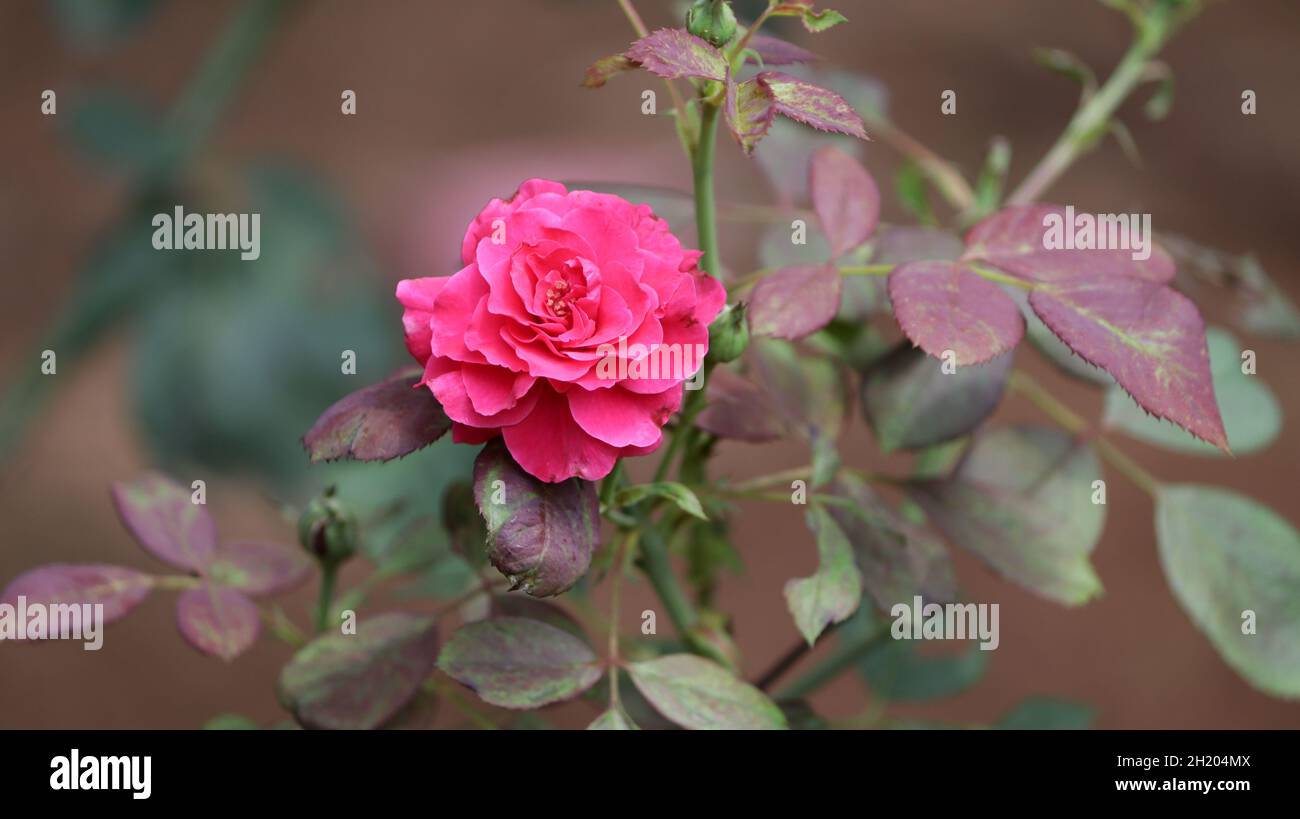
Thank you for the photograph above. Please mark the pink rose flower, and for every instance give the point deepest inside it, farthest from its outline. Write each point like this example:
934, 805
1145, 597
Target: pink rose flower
545, 335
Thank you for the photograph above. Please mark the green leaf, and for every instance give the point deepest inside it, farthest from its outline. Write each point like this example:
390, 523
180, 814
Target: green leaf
513, 662
1022, 500
700, 694
894, 671
1225, 555
815, 20
675, 492
833, 593
613, 719
359, 681
913, 192
1047, 714
911, 402
1251, 414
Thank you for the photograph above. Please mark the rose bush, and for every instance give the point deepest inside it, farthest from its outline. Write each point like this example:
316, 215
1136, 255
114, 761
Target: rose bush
512, 343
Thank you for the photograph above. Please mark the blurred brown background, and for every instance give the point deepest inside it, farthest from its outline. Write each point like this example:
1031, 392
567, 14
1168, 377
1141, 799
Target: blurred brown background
458, 103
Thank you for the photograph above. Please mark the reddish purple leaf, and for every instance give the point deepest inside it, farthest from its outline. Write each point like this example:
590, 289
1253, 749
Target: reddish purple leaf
739, 409
795, 301
812, 105
945, 306
1149, 337
845, 198
774, 51
1013, 239
258, 568
359, 681
162, 515
117, 588
218, 620
749, 112
599, 72
672, 53
378, 423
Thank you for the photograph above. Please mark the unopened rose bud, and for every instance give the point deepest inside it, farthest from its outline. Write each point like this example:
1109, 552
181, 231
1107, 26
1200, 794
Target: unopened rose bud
712, 21
729, 334
328, 531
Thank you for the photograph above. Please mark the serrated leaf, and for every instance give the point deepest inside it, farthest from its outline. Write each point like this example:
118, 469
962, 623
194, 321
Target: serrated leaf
258, 568
1021, 499
794, 302
218, 620
613, 719
896, 672
1149, 337
1013, 239
811, 104
1047, 714
910, 402
378, 423
1223, 555
845, 198
749, 110
163, 518
599, 72
700, 694
359, 681
117, 588
945, 307
833, 593
540, 535
680, 495
512, 662
672, 53
1251, 415
815, 20
898, 559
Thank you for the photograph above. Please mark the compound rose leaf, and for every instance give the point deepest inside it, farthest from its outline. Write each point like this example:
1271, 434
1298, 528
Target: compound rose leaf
1016, 239
218, 620
1149, 337
378, 423
360, 681
945, 307
811, 104
117, 588
514, 662
794, 302
672, 53
845, 198
162, 515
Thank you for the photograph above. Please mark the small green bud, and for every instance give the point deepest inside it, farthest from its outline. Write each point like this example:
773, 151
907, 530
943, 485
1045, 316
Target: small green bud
327, 530
712, 21
729, 334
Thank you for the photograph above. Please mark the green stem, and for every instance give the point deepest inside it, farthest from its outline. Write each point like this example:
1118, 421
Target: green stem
658, 568
1092, 119
706, 209
847, 654
1070, 421
328, 577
